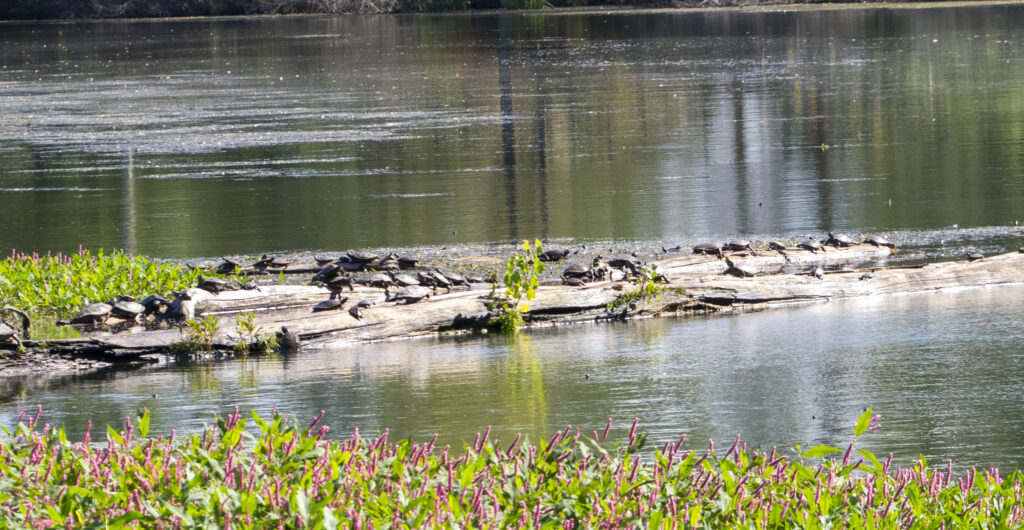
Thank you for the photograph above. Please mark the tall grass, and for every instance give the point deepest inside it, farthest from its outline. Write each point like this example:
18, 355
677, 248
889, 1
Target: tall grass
293, 476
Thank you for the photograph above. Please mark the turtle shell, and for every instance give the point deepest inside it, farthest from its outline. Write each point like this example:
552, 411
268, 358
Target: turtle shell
92, 313
128, 310
361, 256
330, 305
7, 332
737, 244
878, 241
404, 280
411, 294
575, 269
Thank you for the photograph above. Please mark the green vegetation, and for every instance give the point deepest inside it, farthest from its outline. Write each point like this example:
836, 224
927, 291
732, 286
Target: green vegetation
521, 280
645, 286
293, 476
55, 287
252, 338
197, 336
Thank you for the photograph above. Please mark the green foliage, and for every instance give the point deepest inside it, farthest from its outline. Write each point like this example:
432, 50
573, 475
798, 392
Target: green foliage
197, 336
57, 286
252, 338
521, 280
278, 473
437, 6
645, 286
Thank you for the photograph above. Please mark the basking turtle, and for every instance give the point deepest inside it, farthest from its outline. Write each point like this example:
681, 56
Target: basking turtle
92, 314
357, 310
576, 270
407, 262
738, 244
867, 276
878, 241
214, 285
154, 303
388, 263
403, 280
455, 279
676, 248
811, 244
9, 333
288, 341
817, 271
573, 281
263, 262
840, 240
737, 271
1021, 250
622, 261
710, 248
382, 281
776, 245
228, 266
359, 256
554, 255
127, 310
440, 280
278, 263
322, 260
975, 256
250, 285
327, 273
409, 295
341, 281
330, 304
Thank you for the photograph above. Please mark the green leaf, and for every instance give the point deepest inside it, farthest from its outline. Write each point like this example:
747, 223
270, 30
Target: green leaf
819, 451
863, 422
870, 457
330, 522
113, 435
144, 423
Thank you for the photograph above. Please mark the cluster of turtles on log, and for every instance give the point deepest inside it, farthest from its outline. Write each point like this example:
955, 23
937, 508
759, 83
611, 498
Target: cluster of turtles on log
123, 311
616, 267
810, 243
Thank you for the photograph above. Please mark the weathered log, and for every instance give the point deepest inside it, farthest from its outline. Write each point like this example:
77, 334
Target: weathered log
695, 285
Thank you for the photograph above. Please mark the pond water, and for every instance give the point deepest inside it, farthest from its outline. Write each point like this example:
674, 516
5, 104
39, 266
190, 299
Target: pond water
197, 138
781, 377
205, 137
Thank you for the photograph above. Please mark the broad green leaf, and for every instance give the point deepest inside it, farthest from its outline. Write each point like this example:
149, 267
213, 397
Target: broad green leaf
863, 422
819, 451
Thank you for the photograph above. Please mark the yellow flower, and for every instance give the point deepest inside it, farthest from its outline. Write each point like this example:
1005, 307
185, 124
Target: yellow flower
536, 243
526, 245
525, 308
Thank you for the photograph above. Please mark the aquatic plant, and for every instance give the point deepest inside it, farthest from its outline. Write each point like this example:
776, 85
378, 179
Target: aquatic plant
521, 280
288, 475
196, 336
250, 337
55, 286
644, 287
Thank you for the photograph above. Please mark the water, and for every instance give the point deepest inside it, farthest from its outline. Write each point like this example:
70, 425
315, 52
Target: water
205, 137
947, 381
199, 138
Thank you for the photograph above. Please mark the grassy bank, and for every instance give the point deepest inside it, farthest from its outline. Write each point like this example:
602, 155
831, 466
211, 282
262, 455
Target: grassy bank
288, 475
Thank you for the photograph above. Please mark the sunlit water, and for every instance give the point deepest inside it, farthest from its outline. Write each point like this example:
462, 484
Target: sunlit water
947, 381
204, 137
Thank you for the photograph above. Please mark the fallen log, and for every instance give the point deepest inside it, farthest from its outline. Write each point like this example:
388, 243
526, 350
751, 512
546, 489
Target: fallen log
695, 285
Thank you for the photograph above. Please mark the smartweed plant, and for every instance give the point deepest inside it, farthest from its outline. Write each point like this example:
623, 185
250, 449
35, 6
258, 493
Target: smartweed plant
197, 336
521, 280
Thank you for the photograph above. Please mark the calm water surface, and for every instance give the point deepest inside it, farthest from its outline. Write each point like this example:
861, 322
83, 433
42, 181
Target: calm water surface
205, 137
780, 377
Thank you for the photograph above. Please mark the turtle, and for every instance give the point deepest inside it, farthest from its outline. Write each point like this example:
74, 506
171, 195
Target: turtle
576, 270
357, 310
622, 261
574, 281
1021, 250
288, 341
249, 286
840, 240
263, 262
738, 244
455, 279
476, 279
409, 295
214, 285
10, 333
154, 303
382, 281
92, 314
709, 248
403, 280
326, 273
867, 276
440, 280
817, 271
407, 262
776, 245
737, 271
322, 260
554, 255
676, 248
426, 278
975, 256
811, 244
359, 256
228, 266
878, 241
127, 310
340, 281
330, 304
388, 263
615, 275
278, 263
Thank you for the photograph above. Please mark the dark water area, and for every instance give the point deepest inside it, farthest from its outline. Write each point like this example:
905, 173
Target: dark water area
946, 381
213, 136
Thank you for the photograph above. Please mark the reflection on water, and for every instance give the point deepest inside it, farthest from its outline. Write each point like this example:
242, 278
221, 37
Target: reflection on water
947, 381
305, 133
